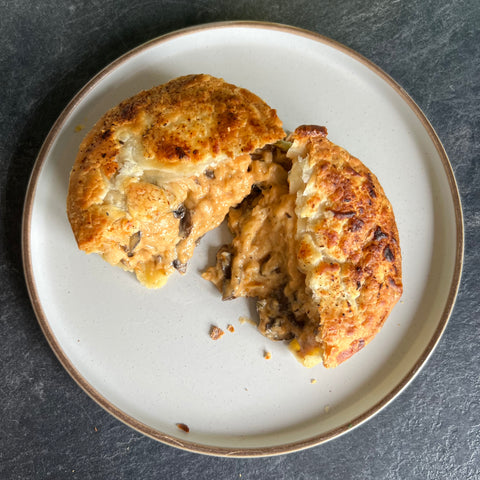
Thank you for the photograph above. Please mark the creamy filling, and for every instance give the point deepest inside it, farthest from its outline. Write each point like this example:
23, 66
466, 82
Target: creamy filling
178, 212
261, 261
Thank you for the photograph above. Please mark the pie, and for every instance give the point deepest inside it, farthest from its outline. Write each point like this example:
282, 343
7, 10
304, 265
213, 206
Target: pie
314, 236
317, 245
163, 168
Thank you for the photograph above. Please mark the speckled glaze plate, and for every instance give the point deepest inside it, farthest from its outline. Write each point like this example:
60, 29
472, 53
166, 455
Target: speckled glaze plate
146, 356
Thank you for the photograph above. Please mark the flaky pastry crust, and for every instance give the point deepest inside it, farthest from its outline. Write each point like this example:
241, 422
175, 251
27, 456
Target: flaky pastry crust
347, 245
317, 245
162, 168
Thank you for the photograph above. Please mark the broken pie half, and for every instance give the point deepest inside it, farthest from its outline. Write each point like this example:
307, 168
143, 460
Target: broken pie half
317, 245
163, 168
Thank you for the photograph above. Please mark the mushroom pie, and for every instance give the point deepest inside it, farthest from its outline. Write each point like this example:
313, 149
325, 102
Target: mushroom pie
317, 245
163, 168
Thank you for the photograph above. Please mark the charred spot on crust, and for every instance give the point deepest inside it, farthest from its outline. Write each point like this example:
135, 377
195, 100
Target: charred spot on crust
356, 225
127, 111
392, 283
172, 150
371, 186
107, 133
351, 171
387, 253
210, 174
180, 152
354, 348
378, 234
340, 214
311, 130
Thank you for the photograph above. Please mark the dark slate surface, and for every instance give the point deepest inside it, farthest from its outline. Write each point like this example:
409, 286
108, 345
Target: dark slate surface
48, 427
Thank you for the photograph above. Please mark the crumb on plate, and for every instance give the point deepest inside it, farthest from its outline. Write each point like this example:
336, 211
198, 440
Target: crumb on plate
243, 320
215, 332
183, 426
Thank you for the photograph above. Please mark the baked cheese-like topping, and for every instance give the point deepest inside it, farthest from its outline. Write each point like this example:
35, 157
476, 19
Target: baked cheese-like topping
317, 245
163, 168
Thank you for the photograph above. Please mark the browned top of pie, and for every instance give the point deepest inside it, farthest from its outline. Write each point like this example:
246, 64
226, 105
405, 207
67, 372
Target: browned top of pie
317, 245
162, 168
347, 244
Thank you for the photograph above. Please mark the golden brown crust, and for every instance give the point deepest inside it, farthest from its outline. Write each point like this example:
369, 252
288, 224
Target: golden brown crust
317, 245
348, 246
310, 131
153, 152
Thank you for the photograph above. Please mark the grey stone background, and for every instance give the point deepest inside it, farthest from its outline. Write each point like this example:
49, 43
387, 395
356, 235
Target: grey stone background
48, 427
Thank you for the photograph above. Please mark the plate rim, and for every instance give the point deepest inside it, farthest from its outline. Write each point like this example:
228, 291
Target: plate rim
130, 420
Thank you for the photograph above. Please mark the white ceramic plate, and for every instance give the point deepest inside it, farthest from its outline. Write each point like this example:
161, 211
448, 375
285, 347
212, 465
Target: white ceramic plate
146, 356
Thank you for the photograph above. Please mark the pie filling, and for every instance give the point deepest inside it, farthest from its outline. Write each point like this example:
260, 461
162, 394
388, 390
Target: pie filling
180, 211
261, 261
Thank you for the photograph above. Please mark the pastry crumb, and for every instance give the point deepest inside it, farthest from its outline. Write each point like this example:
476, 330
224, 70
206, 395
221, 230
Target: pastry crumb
183, 426
327, 408
267, 355
243, 320
216, 332
231, 328
79, 128
313, 380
